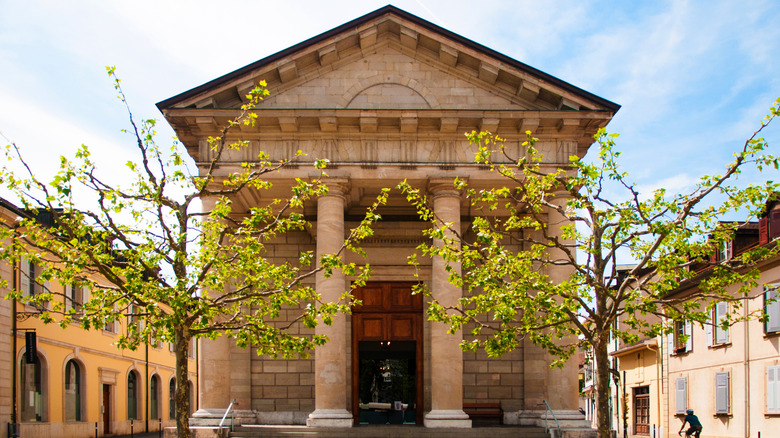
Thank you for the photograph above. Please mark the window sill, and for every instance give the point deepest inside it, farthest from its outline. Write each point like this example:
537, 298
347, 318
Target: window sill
720, 346
770, 335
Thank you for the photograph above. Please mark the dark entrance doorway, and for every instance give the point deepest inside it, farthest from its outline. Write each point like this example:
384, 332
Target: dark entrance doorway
106, 409
387, 365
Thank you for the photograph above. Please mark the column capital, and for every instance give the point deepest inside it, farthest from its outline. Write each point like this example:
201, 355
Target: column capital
561, 194
337, 186
444, 186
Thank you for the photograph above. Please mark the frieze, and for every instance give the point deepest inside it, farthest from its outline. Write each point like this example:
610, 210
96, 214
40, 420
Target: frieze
405, 152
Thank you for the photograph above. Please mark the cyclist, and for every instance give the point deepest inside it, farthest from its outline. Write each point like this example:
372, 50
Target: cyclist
693, 422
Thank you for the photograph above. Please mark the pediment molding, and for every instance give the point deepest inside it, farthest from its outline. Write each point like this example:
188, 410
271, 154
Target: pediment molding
392, 27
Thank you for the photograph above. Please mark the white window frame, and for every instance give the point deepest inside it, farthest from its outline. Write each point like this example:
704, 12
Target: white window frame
722, 393
28, 284
680, 395
772, 308
773, 389
74, 297
672, 338
715, 334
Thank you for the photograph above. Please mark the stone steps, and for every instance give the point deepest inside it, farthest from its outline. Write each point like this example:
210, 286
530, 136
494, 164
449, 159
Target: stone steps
387, 431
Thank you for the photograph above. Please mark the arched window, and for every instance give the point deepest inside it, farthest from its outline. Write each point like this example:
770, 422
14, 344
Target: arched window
132, 395
32, 378
154, 398
172, 399
73, 392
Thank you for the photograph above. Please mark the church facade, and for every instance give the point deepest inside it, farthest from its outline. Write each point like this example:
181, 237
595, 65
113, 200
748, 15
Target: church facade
386, 97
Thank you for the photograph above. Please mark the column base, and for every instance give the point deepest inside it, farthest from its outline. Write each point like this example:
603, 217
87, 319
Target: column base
330, 418
447, 418
568, 419
212, 417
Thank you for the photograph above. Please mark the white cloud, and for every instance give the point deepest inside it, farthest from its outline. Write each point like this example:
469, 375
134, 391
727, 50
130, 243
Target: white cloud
681, 183
692, 76
43, 135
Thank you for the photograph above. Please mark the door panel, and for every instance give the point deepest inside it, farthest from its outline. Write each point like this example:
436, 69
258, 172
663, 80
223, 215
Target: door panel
402, 327
372, 327
372, 299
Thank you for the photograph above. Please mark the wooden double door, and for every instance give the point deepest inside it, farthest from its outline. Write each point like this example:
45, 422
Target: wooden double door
387, 359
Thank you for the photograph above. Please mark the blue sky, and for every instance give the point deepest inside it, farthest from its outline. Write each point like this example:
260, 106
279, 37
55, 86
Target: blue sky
693, 77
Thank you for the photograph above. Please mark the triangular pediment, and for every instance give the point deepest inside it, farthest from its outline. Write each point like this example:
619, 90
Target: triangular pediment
374, 70
390, 41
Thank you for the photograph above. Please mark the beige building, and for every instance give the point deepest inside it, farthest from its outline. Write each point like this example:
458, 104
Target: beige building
386, 97
76, 383
729, 377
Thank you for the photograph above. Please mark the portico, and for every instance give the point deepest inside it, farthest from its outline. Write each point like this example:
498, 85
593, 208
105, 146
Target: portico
385, 98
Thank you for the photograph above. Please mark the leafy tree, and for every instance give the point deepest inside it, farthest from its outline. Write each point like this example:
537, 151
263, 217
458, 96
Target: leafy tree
147, 252
541, 258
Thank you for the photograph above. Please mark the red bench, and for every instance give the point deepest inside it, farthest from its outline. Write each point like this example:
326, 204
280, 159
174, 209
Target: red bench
479, 411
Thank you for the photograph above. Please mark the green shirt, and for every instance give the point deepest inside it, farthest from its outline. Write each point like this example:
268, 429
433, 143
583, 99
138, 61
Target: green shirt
692, 420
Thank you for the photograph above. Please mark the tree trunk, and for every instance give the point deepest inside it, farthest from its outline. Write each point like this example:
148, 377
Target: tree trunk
602, 387
182, 344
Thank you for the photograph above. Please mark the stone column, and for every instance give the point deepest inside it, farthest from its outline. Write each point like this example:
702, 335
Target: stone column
446, 360
214, 369
330, 360
562, 384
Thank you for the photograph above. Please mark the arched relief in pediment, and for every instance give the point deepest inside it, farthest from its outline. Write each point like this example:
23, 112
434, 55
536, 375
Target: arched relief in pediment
388, 96
388, 90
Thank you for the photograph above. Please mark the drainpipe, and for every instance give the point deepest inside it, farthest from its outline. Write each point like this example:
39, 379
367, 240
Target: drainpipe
747, 375
659, 390
616, 381
625, 407
148, 395
14, 401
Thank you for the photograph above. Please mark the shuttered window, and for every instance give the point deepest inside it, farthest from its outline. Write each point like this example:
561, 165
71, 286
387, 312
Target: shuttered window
30, 285
773, 389
772, 308
721, 334
722, 393
715, 333
680, 395
681, 339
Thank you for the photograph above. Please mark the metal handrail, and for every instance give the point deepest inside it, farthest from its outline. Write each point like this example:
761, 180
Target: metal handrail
547, 429
232, 417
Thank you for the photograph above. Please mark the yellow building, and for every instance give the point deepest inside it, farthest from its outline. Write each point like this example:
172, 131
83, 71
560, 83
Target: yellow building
79, 382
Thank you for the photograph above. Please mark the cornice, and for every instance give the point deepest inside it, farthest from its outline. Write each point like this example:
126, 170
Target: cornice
192, 124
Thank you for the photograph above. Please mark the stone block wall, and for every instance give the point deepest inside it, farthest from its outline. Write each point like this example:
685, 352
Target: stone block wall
493, 380
282, 390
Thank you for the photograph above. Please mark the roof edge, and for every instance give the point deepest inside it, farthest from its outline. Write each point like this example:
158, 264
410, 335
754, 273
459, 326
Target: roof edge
389, 9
